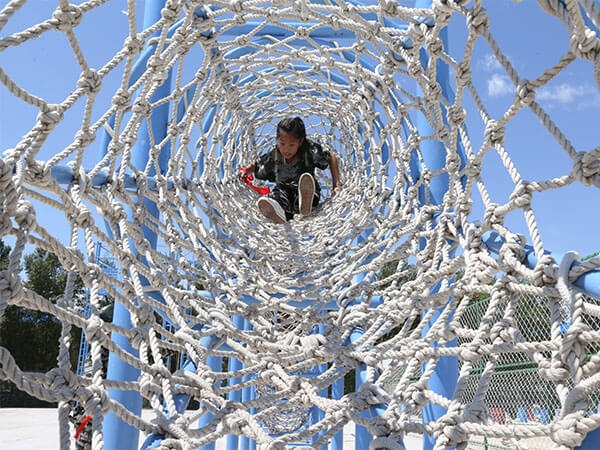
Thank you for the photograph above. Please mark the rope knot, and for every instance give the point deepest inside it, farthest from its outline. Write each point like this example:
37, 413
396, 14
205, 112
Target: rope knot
566, 431
312, 341
385, 443
512, 251
84, 219
586, 167
90, 81
491, 216
24, 214
545, 272
447, 6
160, 372
93, 328
556, 373
456, 116
372, 393
413, 141
10, 286
417, 397
50, 117
464, 73
95, 398
134, 45
237, 6
302, 32
417, 36
452, 433
522, 194
118, 213
61, 378
500, 332
478, 20
144, 315
142, 107
473, 169
84, 138
171, 11
146, 388
121, 98
470, 353
434, 89
67, 17
236, 421
494, 133
435, 47
389, 7
588, 48
525, 93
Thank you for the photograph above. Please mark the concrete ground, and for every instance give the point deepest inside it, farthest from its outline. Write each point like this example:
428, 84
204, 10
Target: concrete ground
37, 429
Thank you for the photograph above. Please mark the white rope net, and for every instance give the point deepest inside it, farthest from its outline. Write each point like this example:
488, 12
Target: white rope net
358, 98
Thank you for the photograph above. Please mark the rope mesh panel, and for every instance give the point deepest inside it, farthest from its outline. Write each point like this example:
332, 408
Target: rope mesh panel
235, 69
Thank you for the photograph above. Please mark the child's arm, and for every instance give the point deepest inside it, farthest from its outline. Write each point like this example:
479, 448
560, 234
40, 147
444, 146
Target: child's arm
335, 174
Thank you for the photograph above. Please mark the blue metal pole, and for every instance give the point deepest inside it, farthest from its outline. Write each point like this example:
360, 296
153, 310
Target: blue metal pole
181, 403
214, 362
444, 379
362, 436
247, 395
235, 396
588, 282
337, 392
118, 434
317, 414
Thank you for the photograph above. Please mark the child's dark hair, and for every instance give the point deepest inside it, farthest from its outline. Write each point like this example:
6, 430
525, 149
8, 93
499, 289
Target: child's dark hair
293, 126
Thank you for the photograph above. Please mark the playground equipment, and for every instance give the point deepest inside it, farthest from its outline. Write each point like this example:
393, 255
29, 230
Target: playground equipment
267, 320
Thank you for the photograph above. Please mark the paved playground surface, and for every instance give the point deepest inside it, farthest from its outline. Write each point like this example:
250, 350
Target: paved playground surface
37, 429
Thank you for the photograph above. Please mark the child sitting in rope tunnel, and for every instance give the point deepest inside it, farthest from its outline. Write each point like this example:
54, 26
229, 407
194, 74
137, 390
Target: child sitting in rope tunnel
291, 166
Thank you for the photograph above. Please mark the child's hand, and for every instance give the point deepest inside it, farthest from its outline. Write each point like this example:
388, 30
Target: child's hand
335, 190
245, 173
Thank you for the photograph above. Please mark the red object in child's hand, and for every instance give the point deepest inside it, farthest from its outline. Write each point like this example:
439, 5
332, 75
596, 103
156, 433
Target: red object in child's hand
82, 426
248, 180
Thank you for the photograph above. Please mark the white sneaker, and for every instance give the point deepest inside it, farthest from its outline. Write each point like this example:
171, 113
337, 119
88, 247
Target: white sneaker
306, 193
271, 209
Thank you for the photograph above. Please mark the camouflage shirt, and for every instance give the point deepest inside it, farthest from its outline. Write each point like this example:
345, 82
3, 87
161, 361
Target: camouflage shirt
272, 166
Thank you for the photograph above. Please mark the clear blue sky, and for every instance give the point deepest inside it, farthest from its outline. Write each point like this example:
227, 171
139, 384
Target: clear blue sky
533, 41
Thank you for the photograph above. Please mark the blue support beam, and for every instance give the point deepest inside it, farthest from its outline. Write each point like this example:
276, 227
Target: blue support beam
181, 402
235, 396
337, 392
589, 282
444, 379
362, 437
119, 435
214, 363
248, 393
317, 414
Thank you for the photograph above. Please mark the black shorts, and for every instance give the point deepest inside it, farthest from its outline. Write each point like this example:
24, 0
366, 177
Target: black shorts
289, 199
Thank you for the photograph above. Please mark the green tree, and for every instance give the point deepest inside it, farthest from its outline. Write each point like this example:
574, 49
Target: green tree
31, 336
4, 252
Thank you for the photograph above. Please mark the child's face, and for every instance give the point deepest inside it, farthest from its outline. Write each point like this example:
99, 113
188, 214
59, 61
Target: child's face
288, 145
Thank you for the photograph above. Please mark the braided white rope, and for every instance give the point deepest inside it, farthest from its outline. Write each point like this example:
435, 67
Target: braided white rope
214, 237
